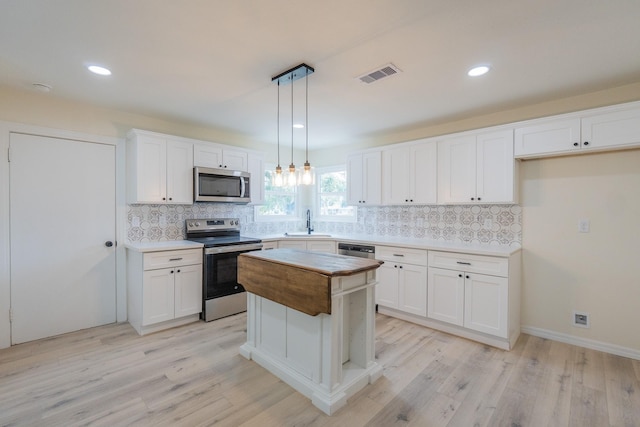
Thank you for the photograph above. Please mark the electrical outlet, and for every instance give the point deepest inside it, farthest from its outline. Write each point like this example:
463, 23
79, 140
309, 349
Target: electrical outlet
488, 223
584, 226
420, 222
581, 319
135, 221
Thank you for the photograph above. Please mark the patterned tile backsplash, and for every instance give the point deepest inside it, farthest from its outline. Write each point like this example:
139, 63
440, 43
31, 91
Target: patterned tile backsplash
485, 224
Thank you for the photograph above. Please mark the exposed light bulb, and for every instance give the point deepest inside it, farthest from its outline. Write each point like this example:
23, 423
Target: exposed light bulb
306, 175
291, 179
278, 179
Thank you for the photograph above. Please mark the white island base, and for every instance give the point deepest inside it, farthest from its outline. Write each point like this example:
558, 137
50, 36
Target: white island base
328, 357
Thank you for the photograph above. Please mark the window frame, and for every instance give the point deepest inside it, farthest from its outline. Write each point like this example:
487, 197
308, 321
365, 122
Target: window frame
337, 218
259, 217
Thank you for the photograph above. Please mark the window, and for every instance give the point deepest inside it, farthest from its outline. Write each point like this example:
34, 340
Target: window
279, 202
331, 195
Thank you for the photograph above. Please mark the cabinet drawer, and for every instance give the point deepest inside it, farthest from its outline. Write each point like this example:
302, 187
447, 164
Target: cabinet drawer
470, 263
164, 259
404, 255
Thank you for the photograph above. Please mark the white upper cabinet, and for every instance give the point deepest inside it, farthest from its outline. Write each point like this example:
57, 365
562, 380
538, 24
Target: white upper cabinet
612, 128
215, 156
477, 168
159, 169
364, 178
553, 136
409, 174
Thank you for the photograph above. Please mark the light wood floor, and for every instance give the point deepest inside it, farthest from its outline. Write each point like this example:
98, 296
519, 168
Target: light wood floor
193, 375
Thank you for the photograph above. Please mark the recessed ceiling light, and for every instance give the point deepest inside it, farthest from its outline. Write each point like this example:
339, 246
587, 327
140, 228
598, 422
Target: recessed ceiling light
99, 70
478, 71
298, 126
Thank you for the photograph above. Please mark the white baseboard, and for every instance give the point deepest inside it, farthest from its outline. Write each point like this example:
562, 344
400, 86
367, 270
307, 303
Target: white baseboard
582, 342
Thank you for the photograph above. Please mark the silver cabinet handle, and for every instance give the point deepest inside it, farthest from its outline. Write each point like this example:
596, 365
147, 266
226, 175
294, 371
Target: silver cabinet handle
463, 263
175, 259
398, 255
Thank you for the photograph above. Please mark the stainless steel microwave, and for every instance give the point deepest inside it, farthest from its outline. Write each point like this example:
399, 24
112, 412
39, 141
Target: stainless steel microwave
221, 185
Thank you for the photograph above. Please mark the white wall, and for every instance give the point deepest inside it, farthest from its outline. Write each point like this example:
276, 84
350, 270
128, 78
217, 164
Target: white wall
596, 272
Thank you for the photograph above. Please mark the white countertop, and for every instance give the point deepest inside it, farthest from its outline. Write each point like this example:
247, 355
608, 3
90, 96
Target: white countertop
490, 250
163, 246
477, 249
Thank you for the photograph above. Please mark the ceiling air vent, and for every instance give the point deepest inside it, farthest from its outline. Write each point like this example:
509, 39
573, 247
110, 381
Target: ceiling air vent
379, 73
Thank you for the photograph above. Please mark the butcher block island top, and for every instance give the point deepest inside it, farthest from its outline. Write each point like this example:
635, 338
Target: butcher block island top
298, 279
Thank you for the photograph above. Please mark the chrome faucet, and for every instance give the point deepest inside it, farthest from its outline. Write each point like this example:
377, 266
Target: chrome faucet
309, 229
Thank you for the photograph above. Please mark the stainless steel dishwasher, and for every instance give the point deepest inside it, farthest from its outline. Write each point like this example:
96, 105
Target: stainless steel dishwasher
360, 251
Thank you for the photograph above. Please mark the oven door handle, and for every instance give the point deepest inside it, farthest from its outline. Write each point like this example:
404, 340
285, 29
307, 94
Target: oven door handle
233, 248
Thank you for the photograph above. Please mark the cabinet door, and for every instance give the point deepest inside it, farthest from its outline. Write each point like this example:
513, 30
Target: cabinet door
495, 167
412, 286
396, 176
387, 287
179, 172
457, 170
235, 160
611, 129
446, 296
486, 304
188, 290
207, 156
354, 179
554, 136
256, 169
157, 296
151, 169
293, 244
372, 178
267, 246
423, 167
321, 246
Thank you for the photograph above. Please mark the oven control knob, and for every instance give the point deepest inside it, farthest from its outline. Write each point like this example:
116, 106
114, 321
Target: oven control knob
190, 224
197, 224
236, 222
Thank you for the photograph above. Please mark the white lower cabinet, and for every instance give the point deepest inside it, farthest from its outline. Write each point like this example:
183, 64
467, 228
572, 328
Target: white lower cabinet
402, 279
478, 293
164, 288
486, 304
445, 296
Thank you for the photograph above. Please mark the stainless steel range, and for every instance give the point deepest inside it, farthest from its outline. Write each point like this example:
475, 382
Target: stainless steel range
221, 292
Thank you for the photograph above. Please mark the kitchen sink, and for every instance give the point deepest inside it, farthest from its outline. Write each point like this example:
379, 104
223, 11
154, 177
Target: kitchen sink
306, 235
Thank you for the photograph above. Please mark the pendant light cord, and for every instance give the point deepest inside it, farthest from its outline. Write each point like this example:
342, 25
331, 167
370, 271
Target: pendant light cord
278, 123
306, 116
292, 165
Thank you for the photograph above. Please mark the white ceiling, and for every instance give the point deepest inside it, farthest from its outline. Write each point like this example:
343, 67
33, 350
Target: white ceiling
210, 62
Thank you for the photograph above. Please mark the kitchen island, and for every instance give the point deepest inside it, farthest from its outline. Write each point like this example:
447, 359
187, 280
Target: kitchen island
311, 321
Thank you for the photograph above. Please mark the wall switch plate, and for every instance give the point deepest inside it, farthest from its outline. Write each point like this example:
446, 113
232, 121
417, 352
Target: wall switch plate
584, 226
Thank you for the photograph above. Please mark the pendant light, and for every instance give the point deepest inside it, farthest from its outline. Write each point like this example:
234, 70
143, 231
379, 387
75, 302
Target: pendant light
291, 179
306, 175
286, 77
278, 178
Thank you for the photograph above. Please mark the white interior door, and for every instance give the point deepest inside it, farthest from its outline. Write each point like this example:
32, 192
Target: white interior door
62, 197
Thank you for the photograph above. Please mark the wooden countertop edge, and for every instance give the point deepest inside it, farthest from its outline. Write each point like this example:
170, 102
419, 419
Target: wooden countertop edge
261, 255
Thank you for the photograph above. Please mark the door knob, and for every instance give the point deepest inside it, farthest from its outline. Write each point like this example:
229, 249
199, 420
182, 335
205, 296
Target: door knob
108, 243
